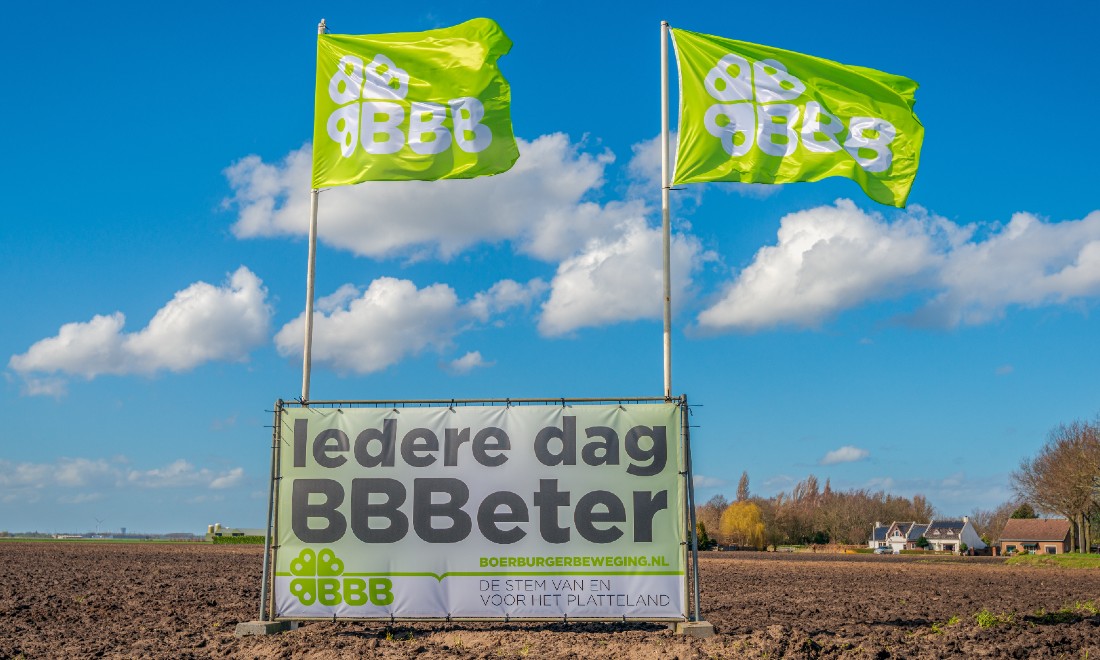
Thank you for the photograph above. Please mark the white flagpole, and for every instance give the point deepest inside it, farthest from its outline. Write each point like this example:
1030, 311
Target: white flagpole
666, 230
307, 351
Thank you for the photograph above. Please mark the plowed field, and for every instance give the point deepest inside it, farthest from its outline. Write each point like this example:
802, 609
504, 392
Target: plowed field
85, 600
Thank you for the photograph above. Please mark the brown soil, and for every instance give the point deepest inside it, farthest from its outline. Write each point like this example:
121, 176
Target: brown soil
77, 599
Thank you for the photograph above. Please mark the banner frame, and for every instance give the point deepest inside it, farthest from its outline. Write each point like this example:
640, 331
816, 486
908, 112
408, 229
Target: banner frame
688, 537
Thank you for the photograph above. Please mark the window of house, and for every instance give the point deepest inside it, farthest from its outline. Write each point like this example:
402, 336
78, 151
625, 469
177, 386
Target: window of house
1031, 547
1051, 550
1010, 547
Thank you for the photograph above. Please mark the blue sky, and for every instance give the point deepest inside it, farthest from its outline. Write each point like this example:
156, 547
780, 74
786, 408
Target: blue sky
153, 250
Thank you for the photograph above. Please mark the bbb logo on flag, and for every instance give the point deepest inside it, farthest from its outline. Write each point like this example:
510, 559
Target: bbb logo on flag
754, 108
384, 122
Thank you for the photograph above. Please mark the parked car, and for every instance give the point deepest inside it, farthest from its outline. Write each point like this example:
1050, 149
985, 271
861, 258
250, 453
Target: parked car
884, 551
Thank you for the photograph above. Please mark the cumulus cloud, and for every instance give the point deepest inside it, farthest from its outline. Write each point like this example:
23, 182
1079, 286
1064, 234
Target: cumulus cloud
467, 363
827, 259
365, 331
830, 259
25, 481
505, 295
540, 204
1028, 263
201, 323
845, 454
619, 279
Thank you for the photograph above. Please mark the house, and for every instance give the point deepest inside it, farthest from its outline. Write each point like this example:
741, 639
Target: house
1049, 536
904, 535
951, 535
942, 535
878, 536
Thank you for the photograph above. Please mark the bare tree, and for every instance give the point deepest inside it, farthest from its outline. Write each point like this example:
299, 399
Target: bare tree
990, 524
1061, 478
743, 488
710, 515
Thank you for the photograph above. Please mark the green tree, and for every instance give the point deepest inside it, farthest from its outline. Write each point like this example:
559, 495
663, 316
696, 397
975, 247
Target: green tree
922, 543
701, 536
1025, 510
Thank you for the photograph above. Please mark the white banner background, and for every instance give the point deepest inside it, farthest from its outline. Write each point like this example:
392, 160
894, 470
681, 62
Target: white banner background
641, 574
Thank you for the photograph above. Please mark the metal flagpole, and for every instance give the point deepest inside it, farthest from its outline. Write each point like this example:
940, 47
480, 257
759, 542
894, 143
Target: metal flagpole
310, 276
666, 231
307, 351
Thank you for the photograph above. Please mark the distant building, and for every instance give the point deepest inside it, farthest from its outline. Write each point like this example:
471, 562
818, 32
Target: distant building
951, 535
904, 535
217, 530
878, 536
1048, 536
942, 535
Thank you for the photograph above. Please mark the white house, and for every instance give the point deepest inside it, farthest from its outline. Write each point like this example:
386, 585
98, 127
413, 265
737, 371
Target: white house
950, 535
942, 535
904, 535
878, 536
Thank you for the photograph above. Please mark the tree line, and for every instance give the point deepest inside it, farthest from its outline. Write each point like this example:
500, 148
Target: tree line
1063, 480
809, 514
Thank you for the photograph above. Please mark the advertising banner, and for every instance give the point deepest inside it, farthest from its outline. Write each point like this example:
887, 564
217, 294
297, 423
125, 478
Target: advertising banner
509, 512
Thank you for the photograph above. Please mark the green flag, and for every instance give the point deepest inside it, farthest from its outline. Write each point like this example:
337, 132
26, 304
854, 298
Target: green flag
412, 106
756, 114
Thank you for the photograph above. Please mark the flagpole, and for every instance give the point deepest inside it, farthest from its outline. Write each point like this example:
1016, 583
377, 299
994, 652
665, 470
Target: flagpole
666, 231
307, 351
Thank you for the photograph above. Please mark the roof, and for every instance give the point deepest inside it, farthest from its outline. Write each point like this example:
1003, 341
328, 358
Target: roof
902, 527
879, 532
916, 531
944, 529
1035, 529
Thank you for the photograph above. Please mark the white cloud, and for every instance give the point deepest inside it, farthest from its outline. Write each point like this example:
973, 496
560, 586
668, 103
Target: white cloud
845, 454
703, 481
1028, 263
228, 480
468, 363
24, 481
619, 279
65, 473
505, 295
830, 259
539, 204
366, 331
201, 323
182, 474
827, 259
389, 321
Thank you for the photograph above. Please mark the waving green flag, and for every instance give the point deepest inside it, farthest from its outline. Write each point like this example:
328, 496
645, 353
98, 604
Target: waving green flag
756, 114
412, 106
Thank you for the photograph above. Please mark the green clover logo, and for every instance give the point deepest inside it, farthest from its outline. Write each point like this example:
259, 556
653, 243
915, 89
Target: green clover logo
307, 567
